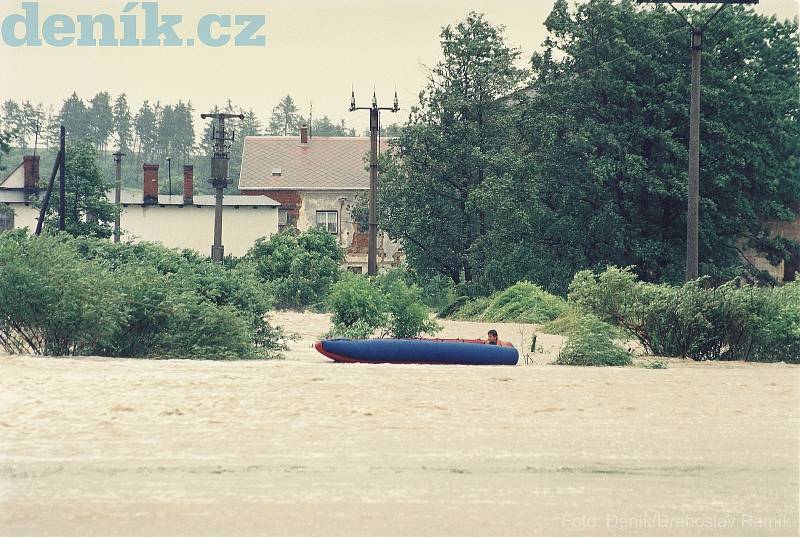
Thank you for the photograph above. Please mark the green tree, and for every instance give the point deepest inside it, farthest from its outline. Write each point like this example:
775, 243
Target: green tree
604, 132
74, 118
285, 118
88, 211
100, 120
454, 146
122, 123
145, 125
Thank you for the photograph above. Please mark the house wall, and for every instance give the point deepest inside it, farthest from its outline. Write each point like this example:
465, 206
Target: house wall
25, 215
179, 226
192, 227
302, 207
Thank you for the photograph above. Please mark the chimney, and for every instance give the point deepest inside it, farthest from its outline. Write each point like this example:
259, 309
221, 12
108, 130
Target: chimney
304, 134
150, 187
188, 185
30, 166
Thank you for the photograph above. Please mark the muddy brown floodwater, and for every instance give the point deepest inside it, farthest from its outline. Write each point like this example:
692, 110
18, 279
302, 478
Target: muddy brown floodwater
303, 446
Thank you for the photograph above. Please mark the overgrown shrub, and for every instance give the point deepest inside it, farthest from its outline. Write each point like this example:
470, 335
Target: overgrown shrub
523, 302
590, 345
778, 334
570, 322
146, 267
705, 323
52, 301
299, 269
386, 305
87, 296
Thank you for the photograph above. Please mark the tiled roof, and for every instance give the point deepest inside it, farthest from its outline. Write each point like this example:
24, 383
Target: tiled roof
325, 163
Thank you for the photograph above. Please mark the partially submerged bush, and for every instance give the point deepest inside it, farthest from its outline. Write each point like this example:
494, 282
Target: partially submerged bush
573, 319
722, 323
52, 301
86, 296
387, 306
523, 302
299, 269
155, 275
590, 345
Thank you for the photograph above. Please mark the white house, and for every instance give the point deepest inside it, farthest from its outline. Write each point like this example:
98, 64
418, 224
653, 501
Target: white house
185, 221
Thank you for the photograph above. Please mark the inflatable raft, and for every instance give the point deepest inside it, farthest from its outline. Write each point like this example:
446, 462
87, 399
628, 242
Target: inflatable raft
418, 351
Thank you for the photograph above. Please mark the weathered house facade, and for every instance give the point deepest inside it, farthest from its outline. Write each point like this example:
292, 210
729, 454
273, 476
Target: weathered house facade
316, 181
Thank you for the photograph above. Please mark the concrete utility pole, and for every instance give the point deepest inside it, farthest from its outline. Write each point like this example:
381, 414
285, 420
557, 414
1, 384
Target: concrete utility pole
374, 129
693, 188
62, 191
118, 193
219, 175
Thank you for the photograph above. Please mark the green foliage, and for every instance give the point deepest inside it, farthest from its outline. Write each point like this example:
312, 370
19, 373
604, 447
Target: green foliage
705, 323
586, 166
571, 321
88, 212
192, 278
298, 268
778, 333
590, 345
605, 129
387, 305
52, 301
523, 302
433, 196
358, 307
87, 296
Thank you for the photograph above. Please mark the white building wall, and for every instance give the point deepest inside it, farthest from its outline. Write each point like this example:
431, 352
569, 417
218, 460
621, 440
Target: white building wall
192, 227
177, 226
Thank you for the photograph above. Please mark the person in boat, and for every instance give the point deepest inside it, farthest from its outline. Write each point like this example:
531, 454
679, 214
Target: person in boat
491, 337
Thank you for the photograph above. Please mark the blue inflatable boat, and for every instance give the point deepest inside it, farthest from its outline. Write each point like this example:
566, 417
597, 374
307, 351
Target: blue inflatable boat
418, 351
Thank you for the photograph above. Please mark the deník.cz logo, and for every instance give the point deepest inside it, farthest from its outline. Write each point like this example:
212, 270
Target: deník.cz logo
140, 24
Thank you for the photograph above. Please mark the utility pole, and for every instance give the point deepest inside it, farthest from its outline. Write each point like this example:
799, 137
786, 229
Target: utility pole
169, 175
374, 129
219, 175
118, 193
62, 191
693, 188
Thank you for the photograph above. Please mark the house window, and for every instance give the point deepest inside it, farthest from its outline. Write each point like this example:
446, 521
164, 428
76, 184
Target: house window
283, 217
356, 269
6, 218
328, 220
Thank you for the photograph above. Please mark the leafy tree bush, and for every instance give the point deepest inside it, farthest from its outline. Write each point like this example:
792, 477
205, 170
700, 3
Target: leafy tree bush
300, 268
88, 210
590, 345
523, 302
189, 275
86, 296
778, 334
52, 301
715, 323
571, 321
386, 305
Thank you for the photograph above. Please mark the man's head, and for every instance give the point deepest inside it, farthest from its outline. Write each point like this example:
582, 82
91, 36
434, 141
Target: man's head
492, 337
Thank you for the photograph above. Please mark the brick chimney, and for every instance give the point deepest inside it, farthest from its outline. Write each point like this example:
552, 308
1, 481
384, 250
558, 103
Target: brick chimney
188, 184
304, 134
30, 166
150, 187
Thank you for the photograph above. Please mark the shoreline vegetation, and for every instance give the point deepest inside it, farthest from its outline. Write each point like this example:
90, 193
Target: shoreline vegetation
66, 296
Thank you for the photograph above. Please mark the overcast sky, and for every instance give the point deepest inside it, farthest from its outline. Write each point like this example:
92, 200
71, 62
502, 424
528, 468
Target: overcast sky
316, 49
